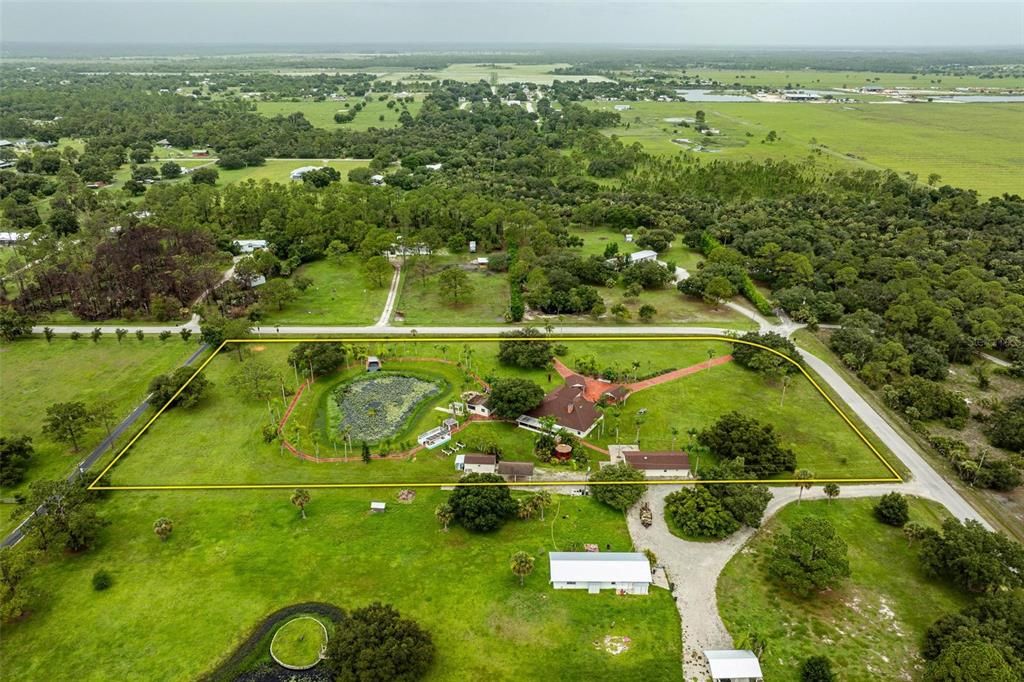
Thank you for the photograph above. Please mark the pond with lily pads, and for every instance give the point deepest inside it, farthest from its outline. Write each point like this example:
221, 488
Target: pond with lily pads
377, 407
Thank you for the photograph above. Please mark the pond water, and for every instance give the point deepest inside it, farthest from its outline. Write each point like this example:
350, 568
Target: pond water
376, 407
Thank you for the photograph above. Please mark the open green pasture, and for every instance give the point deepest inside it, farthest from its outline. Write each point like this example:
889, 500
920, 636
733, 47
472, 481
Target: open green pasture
805, 422
814, 79
870, 627
339, 295
420, 301
220, 441
975, 146
321, 114
35, 374
177, 608
279, 170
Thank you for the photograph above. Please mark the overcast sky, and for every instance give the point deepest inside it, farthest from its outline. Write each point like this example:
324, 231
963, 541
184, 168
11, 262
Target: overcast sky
768, 23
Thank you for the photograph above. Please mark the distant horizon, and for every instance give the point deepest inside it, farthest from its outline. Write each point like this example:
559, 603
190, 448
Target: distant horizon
678, 24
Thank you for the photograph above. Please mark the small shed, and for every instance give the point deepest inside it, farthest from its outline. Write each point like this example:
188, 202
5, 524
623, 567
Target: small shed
515, 471
373, 363
378, 507
477, 464
450, 424
733, 665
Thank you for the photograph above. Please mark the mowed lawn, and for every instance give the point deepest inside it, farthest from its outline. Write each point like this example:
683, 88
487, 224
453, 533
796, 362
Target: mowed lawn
421, 301
35, 374
805, 422
339, 295
220, 441
177, 608
279, 170
321, 114
870, 627
975, 146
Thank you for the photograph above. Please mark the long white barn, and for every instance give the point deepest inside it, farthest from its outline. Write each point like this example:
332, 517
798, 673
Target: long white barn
624, 572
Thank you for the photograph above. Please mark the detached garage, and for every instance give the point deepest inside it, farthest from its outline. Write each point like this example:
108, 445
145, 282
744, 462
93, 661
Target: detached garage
624, 572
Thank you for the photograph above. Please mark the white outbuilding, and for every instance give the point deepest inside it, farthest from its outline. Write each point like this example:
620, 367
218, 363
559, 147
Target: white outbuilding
733, 665
299, 172
641, 256
250, 245
624, 572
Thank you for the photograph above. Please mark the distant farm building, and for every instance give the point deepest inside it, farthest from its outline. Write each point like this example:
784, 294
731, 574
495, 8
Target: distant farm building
801, 96
377, 180
624, 572
250, 245
12, 238
641, 256
622, 107
659, 464
373, 363
299, 172
200, 153
733, 665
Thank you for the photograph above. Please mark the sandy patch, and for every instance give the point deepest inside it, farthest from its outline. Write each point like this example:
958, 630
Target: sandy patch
613, 644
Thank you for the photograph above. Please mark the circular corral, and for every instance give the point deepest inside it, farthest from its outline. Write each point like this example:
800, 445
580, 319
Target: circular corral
299, 644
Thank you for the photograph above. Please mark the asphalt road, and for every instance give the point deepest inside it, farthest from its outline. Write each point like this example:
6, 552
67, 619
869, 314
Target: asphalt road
927, 481
15, 536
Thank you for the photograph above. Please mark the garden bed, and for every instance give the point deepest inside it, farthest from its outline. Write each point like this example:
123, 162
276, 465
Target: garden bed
299, 644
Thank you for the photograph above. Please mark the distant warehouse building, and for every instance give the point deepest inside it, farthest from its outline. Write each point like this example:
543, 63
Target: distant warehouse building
299, 172
624, 572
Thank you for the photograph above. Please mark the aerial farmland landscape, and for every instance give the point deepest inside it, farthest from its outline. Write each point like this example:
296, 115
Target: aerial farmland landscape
570, 340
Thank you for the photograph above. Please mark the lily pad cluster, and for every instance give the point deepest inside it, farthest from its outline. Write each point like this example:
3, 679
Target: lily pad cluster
374, 408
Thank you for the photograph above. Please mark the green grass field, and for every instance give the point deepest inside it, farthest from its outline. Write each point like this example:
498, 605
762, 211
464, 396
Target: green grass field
178, 607
976, 146
279, 170
870, 627
813, 79
339, 295
208, 453
420, 302
321, 114
299, 641
35, 374
805, 422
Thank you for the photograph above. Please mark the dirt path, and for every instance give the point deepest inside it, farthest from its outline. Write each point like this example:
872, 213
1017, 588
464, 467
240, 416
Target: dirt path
389, 304
694, 567
594, 389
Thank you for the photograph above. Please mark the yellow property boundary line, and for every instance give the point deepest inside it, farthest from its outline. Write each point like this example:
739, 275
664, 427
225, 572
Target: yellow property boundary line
95, 485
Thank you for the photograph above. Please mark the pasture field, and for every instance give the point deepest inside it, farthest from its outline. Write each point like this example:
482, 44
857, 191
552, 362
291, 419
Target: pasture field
177, 608
209, 452
321, 114
871, 626
975, 146
814, 79
339, 295
35, 374
420, 301
279, 170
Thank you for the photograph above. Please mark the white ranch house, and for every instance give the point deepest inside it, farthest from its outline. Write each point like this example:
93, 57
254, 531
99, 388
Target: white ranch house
624, 572
640, 256
299, 172
250, 245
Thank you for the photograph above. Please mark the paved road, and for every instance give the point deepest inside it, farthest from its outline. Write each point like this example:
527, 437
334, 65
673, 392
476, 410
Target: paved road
15, 536
937, 488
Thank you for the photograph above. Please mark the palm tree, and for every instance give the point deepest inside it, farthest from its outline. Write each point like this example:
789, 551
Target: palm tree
711, 355
675, 434
300, 498
542, 498
831, 491
444, 514
785, 384
636, 369
803, 477
639, 420
522, 566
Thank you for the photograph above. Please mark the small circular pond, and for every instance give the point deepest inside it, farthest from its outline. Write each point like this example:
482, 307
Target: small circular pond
299, 644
